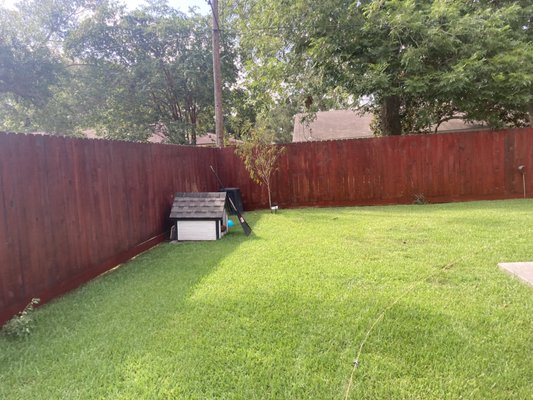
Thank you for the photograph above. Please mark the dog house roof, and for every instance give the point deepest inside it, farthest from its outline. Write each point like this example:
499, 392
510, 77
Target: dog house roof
201, 205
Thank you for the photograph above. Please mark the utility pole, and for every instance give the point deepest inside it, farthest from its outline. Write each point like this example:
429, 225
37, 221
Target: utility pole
217, 75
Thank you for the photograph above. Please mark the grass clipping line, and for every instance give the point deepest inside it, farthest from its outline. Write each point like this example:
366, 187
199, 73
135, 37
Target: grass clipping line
395, 301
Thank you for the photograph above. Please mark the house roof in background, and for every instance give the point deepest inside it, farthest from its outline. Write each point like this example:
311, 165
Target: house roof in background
210, 139
331, 125
91, 134
347, 124
201, 205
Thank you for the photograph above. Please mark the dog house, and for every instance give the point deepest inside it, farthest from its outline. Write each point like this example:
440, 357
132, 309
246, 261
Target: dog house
200, 216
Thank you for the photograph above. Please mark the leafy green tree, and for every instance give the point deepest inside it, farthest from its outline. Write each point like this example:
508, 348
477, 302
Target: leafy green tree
32, 63
161, 60
417, 63
27, 65
129, 74
278, 118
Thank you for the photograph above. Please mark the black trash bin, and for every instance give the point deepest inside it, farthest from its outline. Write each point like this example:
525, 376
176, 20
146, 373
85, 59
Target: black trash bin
235, 195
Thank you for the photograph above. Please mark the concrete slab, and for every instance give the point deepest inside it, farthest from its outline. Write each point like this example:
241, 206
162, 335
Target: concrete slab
522, 270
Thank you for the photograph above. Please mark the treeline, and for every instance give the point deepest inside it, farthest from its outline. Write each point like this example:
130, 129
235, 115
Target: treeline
413, 63
71, 65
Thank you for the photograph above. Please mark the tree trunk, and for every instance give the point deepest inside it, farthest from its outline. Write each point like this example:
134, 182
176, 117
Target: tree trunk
193, 133
269, 196
390, 116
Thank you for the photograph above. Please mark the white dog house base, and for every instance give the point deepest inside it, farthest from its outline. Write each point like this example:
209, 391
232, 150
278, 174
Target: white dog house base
200, 216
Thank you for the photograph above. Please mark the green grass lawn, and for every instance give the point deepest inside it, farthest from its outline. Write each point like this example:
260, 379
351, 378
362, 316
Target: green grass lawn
282, 314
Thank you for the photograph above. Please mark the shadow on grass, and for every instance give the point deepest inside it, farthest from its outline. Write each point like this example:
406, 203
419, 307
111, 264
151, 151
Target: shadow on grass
230, 320
84, 341
283, 345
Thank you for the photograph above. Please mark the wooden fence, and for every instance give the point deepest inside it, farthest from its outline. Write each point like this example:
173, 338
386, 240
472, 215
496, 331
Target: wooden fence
71, 209
390, 170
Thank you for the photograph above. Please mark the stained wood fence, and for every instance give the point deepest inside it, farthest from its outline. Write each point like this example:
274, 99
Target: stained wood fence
71, 209
390, 170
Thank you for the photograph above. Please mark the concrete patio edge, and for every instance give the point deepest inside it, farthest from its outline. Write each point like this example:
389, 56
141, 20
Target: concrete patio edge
522, 270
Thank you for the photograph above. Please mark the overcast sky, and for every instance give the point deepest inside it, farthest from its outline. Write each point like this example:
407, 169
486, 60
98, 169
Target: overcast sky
182, 5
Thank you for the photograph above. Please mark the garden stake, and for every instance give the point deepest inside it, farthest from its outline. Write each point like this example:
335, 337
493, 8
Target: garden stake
522, 169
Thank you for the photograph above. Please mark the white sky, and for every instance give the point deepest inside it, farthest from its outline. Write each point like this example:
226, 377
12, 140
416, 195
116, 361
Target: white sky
182, 5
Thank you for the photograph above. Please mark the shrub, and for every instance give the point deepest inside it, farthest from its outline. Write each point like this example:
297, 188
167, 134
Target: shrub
420, 199
21, 324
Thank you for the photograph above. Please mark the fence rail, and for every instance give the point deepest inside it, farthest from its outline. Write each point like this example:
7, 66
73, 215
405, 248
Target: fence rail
71, 209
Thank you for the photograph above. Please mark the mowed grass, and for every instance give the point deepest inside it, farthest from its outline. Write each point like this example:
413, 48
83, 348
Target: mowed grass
282, 314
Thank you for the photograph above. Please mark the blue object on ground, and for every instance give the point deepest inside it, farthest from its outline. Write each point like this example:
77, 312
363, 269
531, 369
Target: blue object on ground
231, 224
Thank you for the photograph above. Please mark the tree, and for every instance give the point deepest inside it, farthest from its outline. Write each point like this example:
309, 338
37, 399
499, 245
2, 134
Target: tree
27, 65
129, 74
32, 63
278, 118
417, 63
260, 158
161, 59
